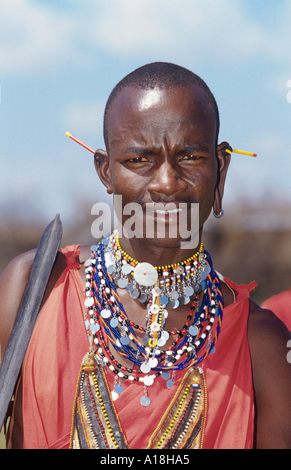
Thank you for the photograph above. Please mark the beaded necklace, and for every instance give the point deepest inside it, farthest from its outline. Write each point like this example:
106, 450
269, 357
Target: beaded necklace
162, 288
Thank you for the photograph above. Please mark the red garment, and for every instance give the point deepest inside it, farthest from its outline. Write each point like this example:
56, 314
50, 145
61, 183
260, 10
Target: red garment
280, 304
59, 343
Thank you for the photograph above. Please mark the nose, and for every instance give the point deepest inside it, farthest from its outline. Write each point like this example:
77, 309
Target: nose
166, 182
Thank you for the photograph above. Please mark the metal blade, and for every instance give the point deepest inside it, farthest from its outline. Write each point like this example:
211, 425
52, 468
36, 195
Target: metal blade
28, 311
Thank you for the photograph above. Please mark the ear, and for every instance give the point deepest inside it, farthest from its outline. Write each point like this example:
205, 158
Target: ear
101, 163
223, 164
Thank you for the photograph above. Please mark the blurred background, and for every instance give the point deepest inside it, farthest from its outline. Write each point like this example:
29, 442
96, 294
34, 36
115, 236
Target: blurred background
60, 59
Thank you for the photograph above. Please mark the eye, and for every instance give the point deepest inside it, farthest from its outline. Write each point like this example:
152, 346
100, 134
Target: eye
138, 160
190, 157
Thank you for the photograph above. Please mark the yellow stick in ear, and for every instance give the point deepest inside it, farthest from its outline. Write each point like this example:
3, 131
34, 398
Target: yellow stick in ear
242, 152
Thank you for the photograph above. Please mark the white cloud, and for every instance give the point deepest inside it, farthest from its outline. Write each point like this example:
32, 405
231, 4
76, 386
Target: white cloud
36, 36
33, 37
192, 28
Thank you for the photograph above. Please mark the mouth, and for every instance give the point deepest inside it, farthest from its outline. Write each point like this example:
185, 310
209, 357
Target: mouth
166, 215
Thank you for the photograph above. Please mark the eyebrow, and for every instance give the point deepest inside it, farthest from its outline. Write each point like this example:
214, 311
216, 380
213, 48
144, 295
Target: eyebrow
189, 149
195, 148
140, 150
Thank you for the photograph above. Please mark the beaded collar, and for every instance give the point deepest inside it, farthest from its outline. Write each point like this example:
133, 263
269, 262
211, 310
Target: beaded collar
193, 281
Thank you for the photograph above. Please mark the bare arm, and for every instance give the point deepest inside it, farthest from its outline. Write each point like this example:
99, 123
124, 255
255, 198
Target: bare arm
268, 338
12, 285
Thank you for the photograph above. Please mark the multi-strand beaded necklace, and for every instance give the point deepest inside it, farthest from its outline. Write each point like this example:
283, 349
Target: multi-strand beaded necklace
161, 288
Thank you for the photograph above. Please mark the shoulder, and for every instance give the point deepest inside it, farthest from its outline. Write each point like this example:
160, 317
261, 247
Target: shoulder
12, 284
263, 324
268, 338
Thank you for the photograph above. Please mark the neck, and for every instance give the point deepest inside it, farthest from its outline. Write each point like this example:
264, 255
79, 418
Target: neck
156, 252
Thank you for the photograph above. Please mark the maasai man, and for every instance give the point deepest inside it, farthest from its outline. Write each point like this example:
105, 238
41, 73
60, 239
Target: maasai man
179, 357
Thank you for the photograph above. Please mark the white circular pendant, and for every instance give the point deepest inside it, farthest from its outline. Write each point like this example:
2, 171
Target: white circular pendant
145, 274
149, 380
89, 301
105, 313
145, 367
153, 362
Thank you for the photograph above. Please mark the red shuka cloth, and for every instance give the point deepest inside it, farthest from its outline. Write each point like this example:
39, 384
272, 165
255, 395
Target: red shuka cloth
59, 344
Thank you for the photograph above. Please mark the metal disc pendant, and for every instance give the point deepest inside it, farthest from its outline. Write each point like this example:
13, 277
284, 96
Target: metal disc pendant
188, 291
149, 380
110, 269
124, 340
145, 401
176, 304
126, 269
105, 313
182, 300
204, 272
166, 375
193, 330
114, 322
129, 288
89, 301
145, 274
171, 304
145, 339
165, 335
145, 367
143, 298
94, 327
170, 383
161, 342
197, 287
153, 362
163, 300
174, 295
134, 294
118, 389
122, 283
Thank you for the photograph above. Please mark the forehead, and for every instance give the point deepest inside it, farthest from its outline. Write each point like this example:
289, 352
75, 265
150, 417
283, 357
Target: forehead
149, 114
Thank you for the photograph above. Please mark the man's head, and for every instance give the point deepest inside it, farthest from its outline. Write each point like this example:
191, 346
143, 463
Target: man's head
162, 75
161, 125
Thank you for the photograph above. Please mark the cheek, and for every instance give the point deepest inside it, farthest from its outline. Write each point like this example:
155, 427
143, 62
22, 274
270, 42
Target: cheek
204, 189
125, 183
204, 185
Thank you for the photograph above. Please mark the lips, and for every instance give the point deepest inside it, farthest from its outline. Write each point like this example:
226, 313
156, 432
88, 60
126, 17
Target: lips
168, 213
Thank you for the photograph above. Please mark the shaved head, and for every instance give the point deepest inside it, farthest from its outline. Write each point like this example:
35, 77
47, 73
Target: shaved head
156, 75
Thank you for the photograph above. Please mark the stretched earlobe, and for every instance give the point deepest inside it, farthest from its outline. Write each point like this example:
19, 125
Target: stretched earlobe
223, 158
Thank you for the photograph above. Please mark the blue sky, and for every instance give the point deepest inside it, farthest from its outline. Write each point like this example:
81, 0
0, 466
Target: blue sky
59, 60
